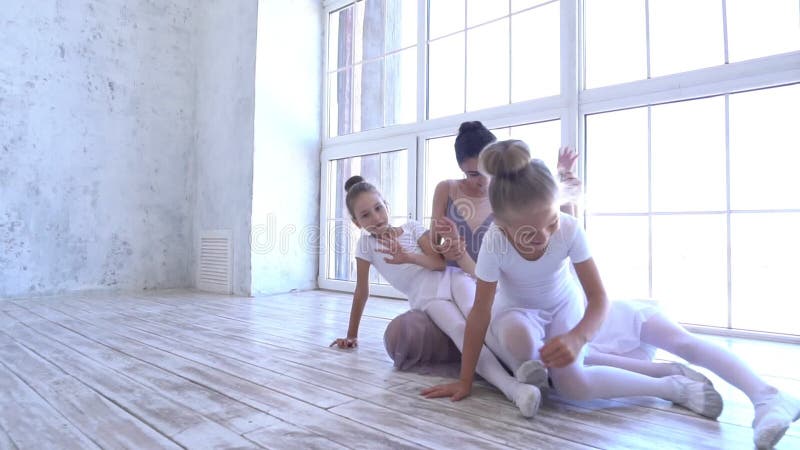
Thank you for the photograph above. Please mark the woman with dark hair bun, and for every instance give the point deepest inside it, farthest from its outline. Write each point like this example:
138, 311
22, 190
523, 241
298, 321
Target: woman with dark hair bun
461, 214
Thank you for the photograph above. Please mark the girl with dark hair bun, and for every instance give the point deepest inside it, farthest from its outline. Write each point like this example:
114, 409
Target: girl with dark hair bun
461, 214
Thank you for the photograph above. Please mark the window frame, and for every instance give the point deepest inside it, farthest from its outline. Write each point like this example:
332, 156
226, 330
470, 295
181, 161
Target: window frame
571, 107
337, 152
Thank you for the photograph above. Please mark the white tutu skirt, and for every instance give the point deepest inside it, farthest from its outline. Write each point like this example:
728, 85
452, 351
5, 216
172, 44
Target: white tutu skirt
621, 331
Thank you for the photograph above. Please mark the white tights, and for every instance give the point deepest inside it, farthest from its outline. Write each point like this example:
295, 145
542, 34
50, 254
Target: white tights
516, 338
661, 332
450, 317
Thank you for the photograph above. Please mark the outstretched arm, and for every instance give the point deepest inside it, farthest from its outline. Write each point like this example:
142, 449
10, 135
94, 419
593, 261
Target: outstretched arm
357, 309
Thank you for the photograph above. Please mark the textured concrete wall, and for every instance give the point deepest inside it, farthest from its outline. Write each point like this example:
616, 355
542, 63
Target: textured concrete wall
96, 144
287, 168
226, 57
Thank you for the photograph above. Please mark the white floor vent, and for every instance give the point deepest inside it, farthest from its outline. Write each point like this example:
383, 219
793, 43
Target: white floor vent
215, 268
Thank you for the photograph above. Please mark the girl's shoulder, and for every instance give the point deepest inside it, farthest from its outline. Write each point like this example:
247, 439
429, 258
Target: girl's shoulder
567, 222
567, 228
494, 238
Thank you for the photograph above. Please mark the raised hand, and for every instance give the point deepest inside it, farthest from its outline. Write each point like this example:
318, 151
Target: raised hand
566, 159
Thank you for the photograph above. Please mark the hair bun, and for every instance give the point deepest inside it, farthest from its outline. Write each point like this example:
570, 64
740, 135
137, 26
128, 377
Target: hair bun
504, 158
467, 127
355, 179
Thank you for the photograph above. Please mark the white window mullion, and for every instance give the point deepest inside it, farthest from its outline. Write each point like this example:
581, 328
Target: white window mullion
510, 53
569, 72
412, 152
322, 275
725, 31
647, 34
466, 56
650, 199
420, 180
422, 60
728, 269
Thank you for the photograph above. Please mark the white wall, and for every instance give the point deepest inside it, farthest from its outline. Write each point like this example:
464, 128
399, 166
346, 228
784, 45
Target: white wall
287, 145
127, 127
96, 141
226, 57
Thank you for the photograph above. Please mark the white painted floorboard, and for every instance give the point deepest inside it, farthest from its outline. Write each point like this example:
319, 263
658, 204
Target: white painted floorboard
174, 369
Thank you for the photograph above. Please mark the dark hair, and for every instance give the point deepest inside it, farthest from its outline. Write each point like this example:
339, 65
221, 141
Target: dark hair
517, 180
472, 138
355, 186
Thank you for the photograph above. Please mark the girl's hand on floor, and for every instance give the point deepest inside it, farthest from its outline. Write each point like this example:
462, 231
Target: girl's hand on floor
456, 391
345, 343
562, 350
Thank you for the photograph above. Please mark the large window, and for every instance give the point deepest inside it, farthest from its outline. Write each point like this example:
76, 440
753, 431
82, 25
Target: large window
491, 53
372, 66
682, 111
638, 39
693, 203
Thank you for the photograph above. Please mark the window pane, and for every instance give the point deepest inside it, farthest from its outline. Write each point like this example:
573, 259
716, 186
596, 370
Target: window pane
690, 268
519, 5
616, 161
487, 66
401, 87
688, 155
535, 53
440, 164
389, 173
401, 24
372, 93
616, 42
758, 29
358, 33
543, 138
340, 38
620, 248
482, 11
764, 249
340, 98
764, 154
446, 76
358, 76
342, 238
685, 35
445, 17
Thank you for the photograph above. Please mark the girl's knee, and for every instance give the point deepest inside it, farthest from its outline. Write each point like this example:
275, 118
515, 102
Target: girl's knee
572, 387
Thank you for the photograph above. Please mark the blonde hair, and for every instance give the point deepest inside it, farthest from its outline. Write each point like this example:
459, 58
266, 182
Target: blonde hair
517, 181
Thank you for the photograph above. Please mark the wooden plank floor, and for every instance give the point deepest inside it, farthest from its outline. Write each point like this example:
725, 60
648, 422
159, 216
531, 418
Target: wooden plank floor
176, 369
